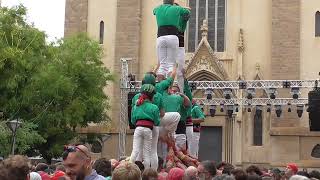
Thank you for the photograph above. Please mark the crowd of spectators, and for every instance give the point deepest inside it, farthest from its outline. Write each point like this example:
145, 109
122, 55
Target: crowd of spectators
78, 164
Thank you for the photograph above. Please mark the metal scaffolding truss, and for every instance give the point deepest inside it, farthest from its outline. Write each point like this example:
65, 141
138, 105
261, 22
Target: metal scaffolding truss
127, 86
123, 124
253, 102
256, 84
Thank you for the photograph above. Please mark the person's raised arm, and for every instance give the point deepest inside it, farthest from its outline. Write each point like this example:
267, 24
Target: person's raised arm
186, 100
156, 69
165, 84
185, 12
187, 89
186, 7
174, 72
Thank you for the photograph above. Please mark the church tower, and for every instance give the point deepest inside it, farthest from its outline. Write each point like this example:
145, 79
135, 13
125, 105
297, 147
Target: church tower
239, 39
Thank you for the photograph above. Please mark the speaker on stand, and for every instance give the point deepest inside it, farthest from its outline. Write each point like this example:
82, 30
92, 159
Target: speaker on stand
314, 108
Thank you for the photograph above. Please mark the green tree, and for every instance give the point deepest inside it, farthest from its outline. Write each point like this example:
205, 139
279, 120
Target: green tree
22, 49
71, 90
26, 137
56, 87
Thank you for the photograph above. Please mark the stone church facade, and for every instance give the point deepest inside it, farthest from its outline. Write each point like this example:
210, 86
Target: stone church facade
239, 39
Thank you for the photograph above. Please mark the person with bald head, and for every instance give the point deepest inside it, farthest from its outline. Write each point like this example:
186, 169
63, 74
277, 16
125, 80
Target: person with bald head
78, 164
191, 173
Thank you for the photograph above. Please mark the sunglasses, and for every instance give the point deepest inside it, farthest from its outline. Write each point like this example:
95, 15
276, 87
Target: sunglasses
69, 149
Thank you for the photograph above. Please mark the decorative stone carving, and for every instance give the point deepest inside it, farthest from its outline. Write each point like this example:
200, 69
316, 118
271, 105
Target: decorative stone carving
204, 58
204, 63
204, 29
241, 41
258, 72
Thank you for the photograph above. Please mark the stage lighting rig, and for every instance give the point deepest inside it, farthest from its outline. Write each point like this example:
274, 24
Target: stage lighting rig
299, 110
221, 107
289, 107
193, 86
212, 110
249, 108
230, 110
227, 92
201, 107
236, 107
242, 85
209, 93
272, 93
268, 107
250, 93
278, 110
286, 84
259, 109
295, 92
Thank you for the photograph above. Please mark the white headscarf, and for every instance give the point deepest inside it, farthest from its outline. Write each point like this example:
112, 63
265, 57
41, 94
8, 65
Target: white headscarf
35, 176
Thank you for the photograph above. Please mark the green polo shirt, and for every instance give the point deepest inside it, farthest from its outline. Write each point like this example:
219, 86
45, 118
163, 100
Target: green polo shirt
172, 103
182, 25
146, 110
169, 15
157, 100
185, 112
187, 90
164, 85
183, 21
197, 113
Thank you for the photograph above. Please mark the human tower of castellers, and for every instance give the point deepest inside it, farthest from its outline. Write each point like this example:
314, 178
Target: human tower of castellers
166, 118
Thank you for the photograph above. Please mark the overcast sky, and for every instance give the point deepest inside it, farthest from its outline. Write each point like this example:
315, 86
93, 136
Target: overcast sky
47, 15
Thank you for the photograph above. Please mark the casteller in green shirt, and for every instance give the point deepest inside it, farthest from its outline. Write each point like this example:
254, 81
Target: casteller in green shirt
196, 112
157, 100
163, 86
172, 102
146, 111
186, 111
169, 15
183, 21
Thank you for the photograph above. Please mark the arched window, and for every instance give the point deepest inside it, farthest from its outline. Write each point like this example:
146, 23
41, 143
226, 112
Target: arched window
317, 23
101, 33
215, 13
257, 128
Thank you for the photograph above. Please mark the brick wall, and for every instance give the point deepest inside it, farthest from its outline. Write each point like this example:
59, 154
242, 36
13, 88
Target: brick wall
127, 43
285, 55
285, 62
76, 17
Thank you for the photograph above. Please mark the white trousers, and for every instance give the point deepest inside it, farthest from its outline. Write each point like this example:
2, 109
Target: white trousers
195, 144
154, 149
189, 134
168, 126
167, 47
169, 122
162, 150
181, 65
180, 141
142, 140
